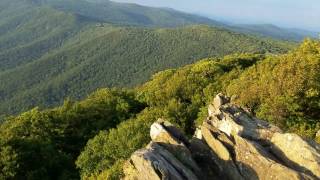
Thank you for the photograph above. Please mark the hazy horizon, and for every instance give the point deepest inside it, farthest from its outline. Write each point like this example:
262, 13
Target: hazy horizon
286, 13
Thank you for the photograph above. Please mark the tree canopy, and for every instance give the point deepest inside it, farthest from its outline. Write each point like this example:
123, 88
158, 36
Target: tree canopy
93, 138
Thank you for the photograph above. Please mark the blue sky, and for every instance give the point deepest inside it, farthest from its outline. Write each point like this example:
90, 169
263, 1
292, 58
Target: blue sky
304, 14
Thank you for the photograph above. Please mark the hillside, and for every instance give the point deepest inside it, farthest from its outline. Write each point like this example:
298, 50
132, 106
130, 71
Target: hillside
269, 30
93, 138
127, 14
95, 89
31, 28
28, 32
111, 56
48, 46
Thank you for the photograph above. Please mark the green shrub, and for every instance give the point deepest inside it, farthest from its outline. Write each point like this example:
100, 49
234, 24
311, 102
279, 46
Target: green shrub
285, 89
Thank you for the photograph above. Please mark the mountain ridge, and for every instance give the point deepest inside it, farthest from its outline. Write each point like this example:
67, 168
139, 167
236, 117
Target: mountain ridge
270, 30
119, 57
94, 137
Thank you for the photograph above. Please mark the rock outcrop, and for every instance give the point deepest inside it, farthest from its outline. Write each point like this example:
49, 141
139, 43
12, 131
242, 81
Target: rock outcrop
230, 144
296, 153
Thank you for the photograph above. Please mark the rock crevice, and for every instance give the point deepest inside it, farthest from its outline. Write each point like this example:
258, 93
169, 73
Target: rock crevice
230, 144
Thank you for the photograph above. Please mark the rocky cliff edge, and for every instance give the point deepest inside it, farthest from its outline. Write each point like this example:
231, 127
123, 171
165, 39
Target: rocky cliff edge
230, 144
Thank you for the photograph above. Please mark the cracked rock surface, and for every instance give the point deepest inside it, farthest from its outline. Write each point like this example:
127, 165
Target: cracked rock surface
230, 144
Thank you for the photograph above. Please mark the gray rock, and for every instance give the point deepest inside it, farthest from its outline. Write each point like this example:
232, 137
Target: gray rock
230, 144
296, 153
156, 163
254, 163
173, 140
222, 156
232, 120
218, 101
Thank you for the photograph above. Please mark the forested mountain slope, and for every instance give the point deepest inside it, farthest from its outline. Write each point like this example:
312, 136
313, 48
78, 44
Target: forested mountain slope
269, 30
111, 56
31, 28
50, 144
127, 13
27, 32
56, 52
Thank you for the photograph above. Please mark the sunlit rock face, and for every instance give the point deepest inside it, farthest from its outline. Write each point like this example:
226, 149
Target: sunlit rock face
230, 144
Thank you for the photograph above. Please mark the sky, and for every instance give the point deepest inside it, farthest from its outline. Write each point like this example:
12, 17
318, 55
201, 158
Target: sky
303, 14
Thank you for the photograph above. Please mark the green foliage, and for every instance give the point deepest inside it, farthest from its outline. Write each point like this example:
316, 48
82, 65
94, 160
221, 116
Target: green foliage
182, 92
284, 89
280, 88
63, 55
33, 32
114, 56
127, 14
27, 141
28, 32
180, 96
175, 95
45, 144
107, 149
8, 162
31, 28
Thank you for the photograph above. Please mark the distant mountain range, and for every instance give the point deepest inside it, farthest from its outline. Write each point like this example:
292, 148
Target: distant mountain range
53, 49
269, 30
124, 13
129, 65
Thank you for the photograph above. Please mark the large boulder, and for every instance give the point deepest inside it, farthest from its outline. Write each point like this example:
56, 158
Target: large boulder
251, 144
216, 145
221, 154
233, 120
296, 153
255, 163
165, 134
230, 144
156, 163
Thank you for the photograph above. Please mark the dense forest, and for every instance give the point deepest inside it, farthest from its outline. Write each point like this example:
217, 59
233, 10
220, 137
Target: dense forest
92, 138
81, 81
51, 50
112, 56
30, 29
